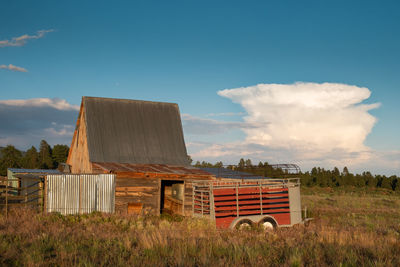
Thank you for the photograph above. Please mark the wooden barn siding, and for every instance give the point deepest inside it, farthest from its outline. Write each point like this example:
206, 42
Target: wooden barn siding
78, 156
137, 190
146, 190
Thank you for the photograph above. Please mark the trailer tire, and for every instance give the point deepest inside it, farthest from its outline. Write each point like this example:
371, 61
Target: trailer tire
244, 224
268, 224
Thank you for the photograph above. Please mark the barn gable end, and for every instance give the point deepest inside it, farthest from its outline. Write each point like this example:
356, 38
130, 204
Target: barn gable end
78, 157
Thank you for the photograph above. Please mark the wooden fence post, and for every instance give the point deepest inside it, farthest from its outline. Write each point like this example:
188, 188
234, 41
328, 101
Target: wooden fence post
7, 199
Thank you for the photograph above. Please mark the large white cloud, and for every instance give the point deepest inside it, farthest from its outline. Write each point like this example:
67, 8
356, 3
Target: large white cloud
312, 116
309, 124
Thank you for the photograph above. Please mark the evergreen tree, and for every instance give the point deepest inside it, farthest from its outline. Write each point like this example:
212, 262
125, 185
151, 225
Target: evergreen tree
241, 164
219, 164
345, 171
248, 163
45, 160
386, 182
31, 159
188, 156
60, 154
11, 158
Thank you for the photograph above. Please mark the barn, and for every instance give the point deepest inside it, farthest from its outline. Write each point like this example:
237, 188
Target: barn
142, 143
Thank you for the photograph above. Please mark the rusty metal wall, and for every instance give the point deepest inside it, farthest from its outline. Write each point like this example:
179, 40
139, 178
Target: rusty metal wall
80, 193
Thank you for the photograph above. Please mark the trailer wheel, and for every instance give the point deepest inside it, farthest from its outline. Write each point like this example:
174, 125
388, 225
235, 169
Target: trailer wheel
268, 224
244, 225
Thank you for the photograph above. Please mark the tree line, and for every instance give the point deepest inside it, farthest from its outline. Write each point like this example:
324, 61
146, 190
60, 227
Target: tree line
46, 158
316, 177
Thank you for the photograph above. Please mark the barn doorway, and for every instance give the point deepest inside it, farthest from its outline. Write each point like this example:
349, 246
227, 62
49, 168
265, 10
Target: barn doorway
172, 194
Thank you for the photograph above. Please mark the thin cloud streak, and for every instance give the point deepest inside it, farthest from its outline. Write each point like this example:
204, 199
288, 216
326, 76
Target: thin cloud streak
22, 40
56, 103
201, 126
13, 68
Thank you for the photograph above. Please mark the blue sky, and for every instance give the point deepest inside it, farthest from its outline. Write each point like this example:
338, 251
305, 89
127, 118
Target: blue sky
187, 51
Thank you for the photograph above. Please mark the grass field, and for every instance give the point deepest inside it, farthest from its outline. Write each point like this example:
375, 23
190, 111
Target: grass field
352, 227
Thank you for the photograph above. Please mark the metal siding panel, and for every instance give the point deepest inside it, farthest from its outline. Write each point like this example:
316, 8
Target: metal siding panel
295, 204
97, 193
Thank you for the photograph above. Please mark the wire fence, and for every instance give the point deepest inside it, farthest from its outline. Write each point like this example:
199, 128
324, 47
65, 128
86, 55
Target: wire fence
18, 192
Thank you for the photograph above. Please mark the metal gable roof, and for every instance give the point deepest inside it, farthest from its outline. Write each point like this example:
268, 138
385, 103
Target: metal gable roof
134, 131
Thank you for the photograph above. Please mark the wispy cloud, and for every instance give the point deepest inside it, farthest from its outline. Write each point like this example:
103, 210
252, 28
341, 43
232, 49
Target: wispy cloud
228, 114
21, 40
56, 103
13, 68
200, 126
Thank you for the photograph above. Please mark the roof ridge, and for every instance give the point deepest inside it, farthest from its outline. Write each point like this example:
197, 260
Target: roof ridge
126, 100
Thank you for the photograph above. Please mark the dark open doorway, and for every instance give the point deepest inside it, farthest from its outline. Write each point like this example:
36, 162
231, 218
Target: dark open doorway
172, 194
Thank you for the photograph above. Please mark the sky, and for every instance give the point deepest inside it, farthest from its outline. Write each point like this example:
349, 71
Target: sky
313, 83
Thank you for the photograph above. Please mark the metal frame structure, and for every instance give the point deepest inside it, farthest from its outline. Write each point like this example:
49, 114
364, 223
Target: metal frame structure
289, 168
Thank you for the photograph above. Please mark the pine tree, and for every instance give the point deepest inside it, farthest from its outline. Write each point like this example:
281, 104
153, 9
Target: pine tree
31, 159
11, 158
248, 163
219, 164
188, 157
60, 154
241, 164
45, 160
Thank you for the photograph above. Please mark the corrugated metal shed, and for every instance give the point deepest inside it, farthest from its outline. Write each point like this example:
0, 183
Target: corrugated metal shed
139, 132
12, 172
84, 193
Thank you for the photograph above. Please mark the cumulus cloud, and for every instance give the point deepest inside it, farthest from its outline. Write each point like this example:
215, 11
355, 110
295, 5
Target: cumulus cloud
21, 40
309, 124
13, 68
26, 122
321, 117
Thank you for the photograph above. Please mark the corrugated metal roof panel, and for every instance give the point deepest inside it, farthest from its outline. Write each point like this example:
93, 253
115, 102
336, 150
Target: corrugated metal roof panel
133, 131
149, 168
39, 171
227, 173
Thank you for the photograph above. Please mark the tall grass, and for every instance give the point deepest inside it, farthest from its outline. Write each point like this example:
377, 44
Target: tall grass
349, 229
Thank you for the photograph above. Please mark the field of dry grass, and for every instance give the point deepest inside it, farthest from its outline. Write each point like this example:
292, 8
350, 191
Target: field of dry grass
351, 228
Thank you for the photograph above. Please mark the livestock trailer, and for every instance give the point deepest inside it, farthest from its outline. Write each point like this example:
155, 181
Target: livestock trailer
232, 204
